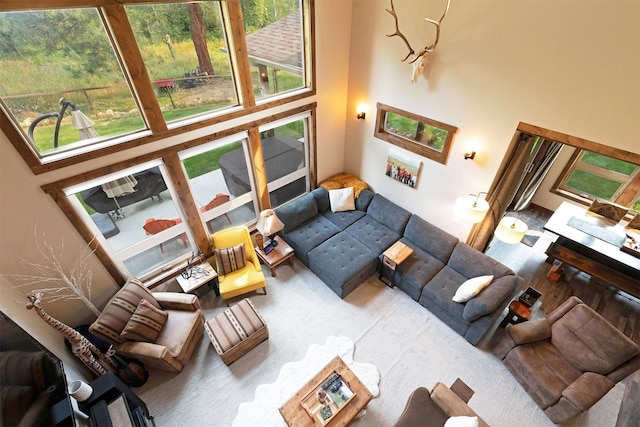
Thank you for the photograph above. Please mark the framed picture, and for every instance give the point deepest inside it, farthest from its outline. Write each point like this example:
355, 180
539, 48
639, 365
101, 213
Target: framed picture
402, 168
426, 137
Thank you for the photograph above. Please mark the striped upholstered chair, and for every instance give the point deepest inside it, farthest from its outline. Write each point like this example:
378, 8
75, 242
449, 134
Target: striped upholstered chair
160, 329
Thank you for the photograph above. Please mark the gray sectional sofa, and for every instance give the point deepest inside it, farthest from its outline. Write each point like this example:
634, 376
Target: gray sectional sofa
345, 248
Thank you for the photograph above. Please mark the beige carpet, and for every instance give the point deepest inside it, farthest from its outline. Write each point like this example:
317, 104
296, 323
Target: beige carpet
407, 344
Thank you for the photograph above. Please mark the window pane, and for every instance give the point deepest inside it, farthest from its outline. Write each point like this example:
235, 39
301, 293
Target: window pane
588, 183
49, 55
139, 220
608, 163
185, 52
217, 177
284, 154
424, 134
275, 45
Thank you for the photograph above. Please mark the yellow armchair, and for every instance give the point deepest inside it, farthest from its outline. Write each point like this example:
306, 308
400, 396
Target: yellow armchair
245, 279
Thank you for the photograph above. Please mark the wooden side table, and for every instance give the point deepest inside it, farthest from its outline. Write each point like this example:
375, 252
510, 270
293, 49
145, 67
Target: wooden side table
391, 258
518, 313
198, 279
281, 253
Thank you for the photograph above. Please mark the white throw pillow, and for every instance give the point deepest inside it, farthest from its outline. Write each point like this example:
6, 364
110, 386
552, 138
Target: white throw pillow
471, 288
462, 421
342, 200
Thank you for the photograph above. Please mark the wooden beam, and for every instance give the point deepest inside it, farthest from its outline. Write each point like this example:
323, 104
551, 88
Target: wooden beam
260, 173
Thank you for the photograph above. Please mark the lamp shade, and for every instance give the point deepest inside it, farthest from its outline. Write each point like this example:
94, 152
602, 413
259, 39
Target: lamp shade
511, 230
472, 208
268, 223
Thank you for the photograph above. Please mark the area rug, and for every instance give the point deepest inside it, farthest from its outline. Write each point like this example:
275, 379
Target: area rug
263, 411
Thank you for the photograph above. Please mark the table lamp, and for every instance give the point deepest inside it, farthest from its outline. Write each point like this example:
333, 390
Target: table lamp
268, 225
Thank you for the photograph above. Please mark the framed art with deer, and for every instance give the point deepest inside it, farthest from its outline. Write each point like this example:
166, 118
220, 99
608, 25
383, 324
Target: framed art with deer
426, 137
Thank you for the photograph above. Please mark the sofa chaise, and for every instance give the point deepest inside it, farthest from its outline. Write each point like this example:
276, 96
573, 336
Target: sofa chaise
345, 248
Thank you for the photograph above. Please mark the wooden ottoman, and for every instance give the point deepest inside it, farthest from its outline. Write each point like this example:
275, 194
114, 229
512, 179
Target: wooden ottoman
236, 331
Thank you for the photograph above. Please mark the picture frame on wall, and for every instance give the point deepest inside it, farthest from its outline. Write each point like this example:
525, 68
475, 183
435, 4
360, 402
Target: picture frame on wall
402, 168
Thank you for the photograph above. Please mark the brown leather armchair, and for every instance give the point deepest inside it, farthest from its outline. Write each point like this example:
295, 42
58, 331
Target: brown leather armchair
172, 339
568, 360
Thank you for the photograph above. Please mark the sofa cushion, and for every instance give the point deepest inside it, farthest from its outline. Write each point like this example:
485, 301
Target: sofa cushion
297, 211
342, 263
542, 370
364, 199
440, 291
471, 287
492, 298
373, 234
470, 262
309, 235
416, 270
145, 323
322, 199
342, 200
430, 238
343, 219
591, 343
119, 309
388, 213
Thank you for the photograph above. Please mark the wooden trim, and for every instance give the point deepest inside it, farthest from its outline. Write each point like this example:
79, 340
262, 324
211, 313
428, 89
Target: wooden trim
232, 18
585, 144
409, 144
76, 179
259, 171
137, 75
187, 201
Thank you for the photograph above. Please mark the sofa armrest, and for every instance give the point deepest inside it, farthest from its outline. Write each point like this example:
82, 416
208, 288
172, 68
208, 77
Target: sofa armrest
522, 333
626, 369
587, 390
531, 331
452, 404
150, 354
177, 301
491, 298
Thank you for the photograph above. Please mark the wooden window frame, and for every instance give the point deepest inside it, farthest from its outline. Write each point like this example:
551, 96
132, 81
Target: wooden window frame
409, 144
138, 79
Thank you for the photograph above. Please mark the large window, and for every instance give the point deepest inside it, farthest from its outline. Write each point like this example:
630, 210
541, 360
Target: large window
91, 80
61, 81
590, 175
136, 217
286, 160
220, 182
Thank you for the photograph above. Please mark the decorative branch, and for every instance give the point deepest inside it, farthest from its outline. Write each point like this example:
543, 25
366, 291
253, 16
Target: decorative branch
52, 279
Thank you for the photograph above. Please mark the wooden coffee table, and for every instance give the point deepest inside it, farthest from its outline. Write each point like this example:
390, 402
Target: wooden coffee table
297, 416
277, 256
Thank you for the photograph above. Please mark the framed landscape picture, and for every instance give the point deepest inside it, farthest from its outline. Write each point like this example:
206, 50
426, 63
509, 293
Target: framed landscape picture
402, 168
426, 137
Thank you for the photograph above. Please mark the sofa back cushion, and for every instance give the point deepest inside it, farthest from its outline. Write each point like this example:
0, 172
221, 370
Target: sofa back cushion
119, 309
364, 199
589, 342
388, 213
298, 211
470, 262
322, 199
430, 238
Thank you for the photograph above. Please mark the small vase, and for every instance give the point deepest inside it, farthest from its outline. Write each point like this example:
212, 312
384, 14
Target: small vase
80, 390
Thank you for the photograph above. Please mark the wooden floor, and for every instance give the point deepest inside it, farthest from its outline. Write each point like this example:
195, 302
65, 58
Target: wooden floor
619, 308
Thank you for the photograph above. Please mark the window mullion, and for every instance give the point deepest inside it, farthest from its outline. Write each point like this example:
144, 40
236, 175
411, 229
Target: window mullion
232, 18
136, 72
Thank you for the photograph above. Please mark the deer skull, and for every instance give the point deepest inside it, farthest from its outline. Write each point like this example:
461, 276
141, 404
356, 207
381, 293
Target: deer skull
420, 58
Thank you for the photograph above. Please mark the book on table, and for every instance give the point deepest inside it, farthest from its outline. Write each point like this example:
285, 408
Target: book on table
326, 400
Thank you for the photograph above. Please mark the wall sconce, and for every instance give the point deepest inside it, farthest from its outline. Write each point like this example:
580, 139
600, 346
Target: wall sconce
511, 230
361, 111
472, 208
469, 155
361, 115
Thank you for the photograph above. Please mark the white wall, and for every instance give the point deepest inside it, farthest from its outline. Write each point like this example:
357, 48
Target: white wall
24, 206
568, 66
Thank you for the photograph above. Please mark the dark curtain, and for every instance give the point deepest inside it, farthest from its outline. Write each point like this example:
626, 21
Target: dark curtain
503, 190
